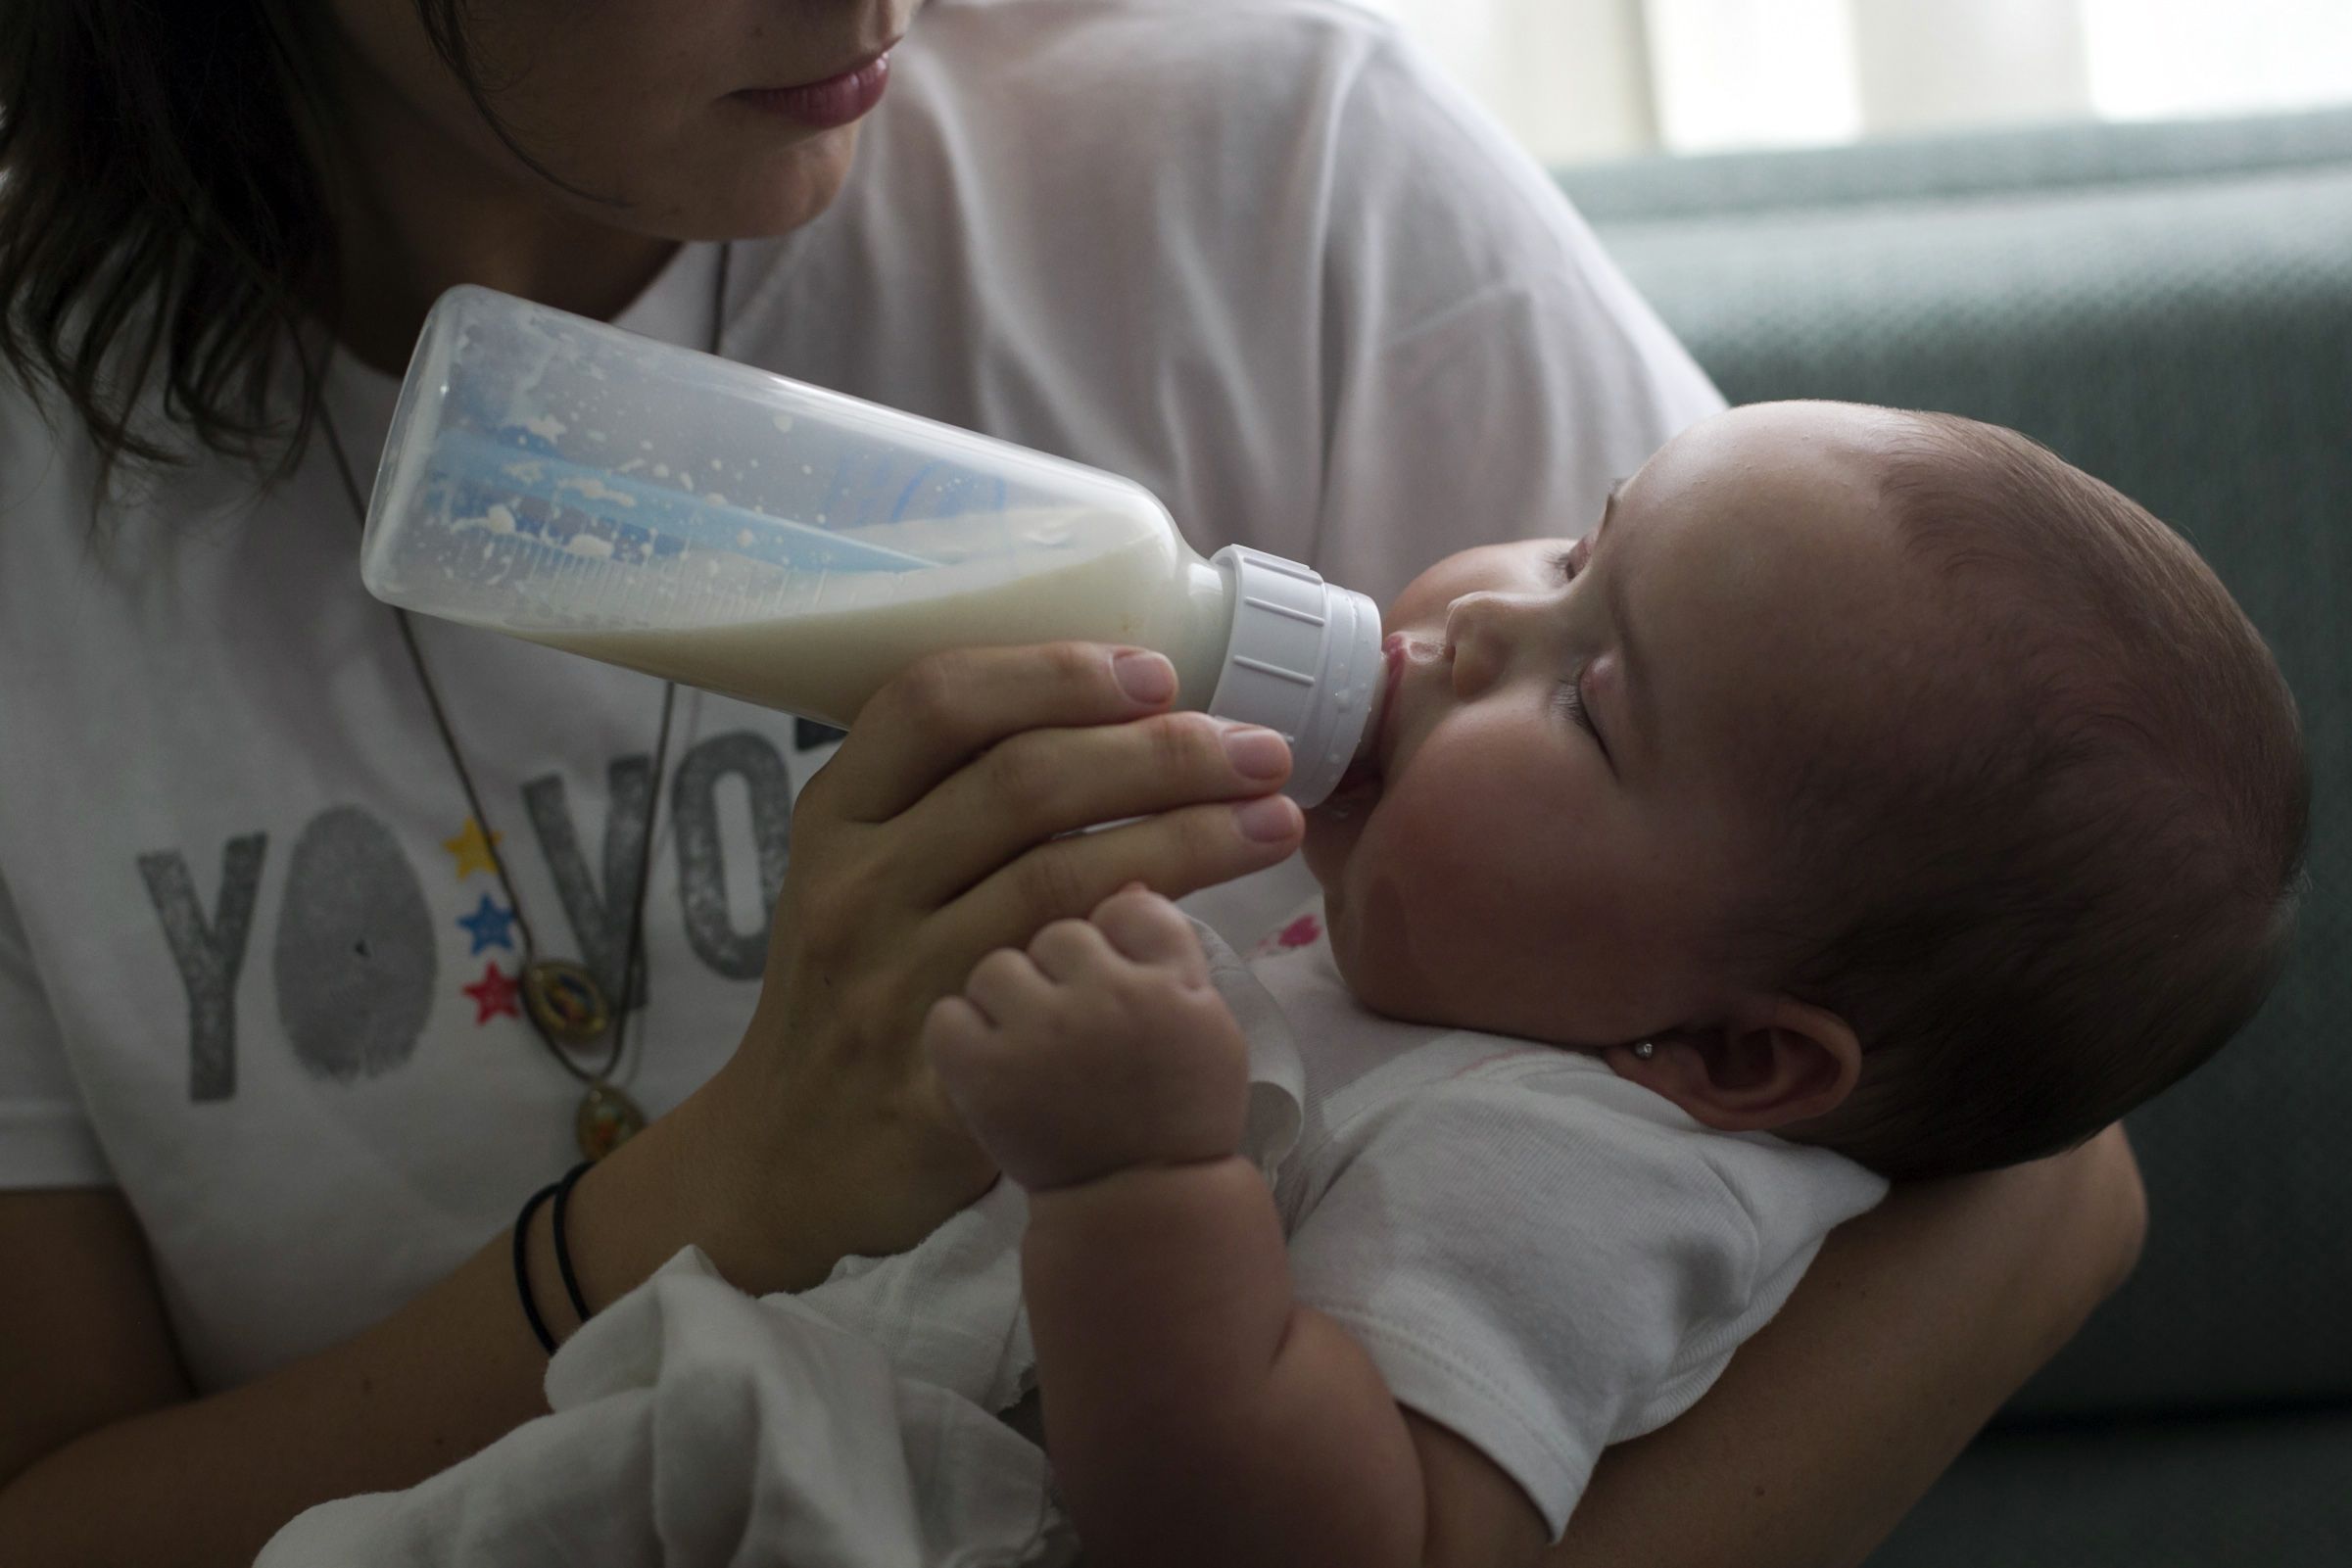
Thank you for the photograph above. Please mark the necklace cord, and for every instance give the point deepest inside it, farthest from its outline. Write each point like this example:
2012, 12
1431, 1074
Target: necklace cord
481, 817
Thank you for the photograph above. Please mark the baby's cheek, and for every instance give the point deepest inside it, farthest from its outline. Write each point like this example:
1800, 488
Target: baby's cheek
1452, 810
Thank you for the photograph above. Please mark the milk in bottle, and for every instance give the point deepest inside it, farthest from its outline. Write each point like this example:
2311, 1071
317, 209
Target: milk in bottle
561, 480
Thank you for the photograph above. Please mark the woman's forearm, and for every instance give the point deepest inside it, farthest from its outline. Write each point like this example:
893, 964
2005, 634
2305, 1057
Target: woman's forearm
1196, 1414
209, 1480
1915, 1324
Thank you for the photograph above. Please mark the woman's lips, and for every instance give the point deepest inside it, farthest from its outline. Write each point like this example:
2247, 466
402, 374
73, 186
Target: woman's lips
823, 104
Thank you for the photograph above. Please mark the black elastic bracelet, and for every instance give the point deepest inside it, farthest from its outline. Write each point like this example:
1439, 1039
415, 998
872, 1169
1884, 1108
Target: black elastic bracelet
564, 1253
522, 1265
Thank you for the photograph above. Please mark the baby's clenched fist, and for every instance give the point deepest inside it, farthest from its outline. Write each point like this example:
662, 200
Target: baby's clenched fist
1101, 1046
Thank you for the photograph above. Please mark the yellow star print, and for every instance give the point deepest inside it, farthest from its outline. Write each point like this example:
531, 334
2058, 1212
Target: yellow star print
472, 849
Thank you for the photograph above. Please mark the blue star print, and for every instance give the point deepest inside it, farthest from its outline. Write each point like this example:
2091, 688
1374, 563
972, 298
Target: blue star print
489, 924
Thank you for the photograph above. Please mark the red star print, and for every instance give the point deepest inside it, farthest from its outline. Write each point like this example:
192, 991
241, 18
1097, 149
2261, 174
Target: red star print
1299, 933
494, 993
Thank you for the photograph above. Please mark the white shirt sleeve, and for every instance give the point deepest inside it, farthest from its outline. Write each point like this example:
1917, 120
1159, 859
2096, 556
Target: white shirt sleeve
1501, 373
1529, 1267
45, 1138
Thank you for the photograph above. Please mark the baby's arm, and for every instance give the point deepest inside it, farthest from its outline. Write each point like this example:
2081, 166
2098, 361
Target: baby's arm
1196, 1414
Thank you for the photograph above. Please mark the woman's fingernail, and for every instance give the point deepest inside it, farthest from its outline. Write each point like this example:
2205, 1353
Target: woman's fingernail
1256, 754
1144, 676
1266, 819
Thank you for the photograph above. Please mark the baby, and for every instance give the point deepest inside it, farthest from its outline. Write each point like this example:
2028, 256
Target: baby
1870, 794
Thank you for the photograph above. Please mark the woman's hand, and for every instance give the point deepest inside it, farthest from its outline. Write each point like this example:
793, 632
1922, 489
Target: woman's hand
944, 829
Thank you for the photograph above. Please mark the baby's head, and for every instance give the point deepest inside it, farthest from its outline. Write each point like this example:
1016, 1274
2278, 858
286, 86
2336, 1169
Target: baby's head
1909, 791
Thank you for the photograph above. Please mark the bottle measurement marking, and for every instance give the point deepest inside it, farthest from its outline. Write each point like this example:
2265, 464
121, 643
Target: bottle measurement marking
1278, 672
1290, 611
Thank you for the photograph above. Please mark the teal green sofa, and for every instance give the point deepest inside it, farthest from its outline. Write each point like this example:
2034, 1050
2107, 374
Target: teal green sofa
2171, 307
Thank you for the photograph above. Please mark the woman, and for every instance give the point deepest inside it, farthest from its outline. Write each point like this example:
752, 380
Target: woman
1248, 252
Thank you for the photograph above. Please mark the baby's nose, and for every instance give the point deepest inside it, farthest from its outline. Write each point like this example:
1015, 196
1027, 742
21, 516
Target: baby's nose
1475, 643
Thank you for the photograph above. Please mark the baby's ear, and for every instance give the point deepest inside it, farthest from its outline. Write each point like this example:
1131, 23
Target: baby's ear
1775, 1060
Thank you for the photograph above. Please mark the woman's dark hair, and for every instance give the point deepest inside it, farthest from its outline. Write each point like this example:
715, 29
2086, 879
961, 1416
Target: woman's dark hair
160, 225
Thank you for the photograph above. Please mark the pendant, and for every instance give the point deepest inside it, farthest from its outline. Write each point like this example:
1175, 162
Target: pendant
566, 1001
608, 1119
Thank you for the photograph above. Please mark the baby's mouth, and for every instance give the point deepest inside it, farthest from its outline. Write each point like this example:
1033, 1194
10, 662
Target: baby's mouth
1358, 788
1360, 785
1363, 779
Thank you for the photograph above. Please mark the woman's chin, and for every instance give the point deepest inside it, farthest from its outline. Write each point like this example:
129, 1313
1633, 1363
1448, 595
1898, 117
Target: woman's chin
771, 187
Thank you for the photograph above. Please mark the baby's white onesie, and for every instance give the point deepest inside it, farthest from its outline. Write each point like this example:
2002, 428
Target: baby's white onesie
1540, 1254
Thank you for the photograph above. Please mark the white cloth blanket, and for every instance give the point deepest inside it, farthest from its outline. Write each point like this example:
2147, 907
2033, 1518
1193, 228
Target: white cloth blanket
693, 1424
847, 1426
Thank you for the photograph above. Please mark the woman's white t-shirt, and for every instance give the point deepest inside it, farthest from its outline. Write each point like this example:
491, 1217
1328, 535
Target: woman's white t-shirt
255, 973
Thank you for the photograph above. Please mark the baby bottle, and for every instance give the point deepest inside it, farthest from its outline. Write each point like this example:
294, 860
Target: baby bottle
561, 480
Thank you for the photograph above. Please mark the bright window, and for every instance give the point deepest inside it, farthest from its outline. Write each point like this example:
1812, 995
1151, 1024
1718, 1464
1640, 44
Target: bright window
1599, 78
2151, 58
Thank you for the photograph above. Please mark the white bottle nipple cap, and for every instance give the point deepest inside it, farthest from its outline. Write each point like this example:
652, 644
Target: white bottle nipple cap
1302, 660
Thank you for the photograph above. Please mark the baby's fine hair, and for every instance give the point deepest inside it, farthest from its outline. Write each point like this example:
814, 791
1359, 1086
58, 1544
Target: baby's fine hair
2077, 877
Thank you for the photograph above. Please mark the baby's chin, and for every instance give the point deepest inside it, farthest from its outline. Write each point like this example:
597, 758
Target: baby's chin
1372, 947
1334, 825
